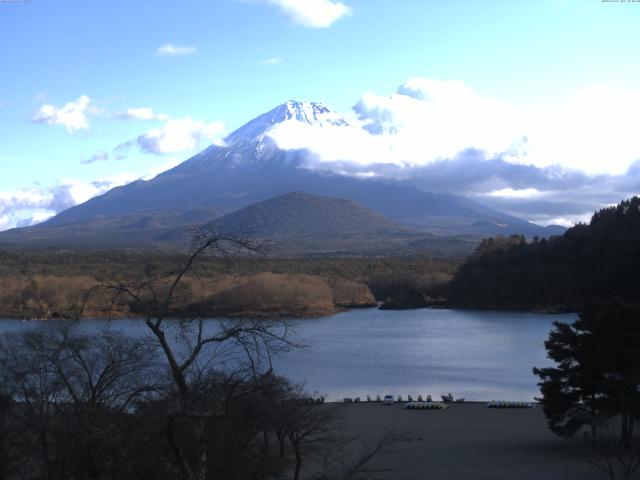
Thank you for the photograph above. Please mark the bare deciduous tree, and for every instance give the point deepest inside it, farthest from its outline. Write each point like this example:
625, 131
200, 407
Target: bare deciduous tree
68, 387
197, 346
9, 458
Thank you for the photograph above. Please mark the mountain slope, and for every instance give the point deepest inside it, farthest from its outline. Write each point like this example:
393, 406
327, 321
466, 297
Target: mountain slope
142, 228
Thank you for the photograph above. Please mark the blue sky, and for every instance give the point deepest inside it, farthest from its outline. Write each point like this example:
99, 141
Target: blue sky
202, 68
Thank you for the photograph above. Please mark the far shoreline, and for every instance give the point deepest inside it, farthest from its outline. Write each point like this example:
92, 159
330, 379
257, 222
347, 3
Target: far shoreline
270, 316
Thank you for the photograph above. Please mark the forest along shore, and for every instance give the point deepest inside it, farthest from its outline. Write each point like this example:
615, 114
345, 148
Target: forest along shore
53, 284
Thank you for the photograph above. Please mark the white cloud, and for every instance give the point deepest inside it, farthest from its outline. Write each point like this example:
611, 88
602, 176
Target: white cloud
595, 130
27, 206
515, 193
566, 222
141, 113
177, 135
171, 50
173, 136
6, 222
37, 217
426, 120
312, 13
430, 119
24, 198
333, 143
80, 192
73, 116
272, 61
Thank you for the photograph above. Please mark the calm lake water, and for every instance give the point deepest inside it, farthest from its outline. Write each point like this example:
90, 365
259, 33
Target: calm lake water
479, 355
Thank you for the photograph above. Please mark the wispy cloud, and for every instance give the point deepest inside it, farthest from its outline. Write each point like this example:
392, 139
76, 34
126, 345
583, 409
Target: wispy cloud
100, 156
171, 50
141, 113
312, 13
40, 97
272, 61
73, 115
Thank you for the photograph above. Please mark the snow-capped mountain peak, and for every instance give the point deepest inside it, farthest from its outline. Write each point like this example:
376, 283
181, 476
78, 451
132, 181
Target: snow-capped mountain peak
313, 113
252, 146
308, 112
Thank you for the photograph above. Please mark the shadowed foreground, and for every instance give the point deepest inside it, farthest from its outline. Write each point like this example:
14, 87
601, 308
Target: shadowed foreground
470, 441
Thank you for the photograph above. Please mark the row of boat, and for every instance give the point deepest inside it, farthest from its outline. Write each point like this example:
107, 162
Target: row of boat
426, 406
389, 399
506, 404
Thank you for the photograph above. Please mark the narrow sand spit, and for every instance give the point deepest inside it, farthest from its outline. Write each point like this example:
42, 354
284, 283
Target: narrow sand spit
469, 441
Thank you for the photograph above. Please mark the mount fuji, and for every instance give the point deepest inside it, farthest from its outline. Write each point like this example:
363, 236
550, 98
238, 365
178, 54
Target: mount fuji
250, 168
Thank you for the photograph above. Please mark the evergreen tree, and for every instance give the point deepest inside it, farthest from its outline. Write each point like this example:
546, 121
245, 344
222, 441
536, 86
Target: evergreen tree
597, 376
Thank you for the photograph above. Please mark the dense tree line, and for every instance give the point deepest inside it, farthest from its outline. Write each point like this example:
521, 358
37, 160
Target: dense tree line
106, 264
600, 260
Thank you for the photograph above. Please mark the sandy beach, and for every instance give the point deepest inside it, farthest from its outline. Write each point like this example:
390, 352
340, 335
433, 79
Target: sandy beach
470, 441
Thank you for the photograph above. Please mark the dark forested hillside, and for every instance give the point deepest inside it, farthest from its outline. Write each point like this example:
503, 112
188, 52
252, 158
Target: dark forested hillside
301, 215
598, 261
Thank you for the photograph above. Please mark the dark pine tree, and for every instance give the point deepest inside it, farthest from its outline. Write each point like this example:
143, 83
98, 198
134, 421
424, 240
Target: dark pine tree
597, 372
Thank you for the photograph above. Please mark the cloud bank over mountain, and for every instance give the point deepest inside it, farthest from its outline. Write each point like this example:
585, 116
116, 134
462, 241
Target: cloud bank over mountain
176, 135
551, 164
428, 120
24, 207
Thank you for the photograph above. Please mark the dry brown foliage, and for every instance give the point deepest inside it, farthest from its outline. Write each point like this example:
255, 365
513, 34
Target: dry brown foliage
271, 293
263, 294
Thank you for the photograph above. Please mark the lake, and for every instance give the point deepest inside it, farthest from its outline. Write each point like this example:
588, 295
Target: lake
479, 355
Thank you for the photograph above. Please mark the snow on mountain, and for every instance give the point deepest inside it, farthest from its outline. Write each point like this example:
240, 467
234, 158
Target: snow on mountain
313, 113
251, 145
